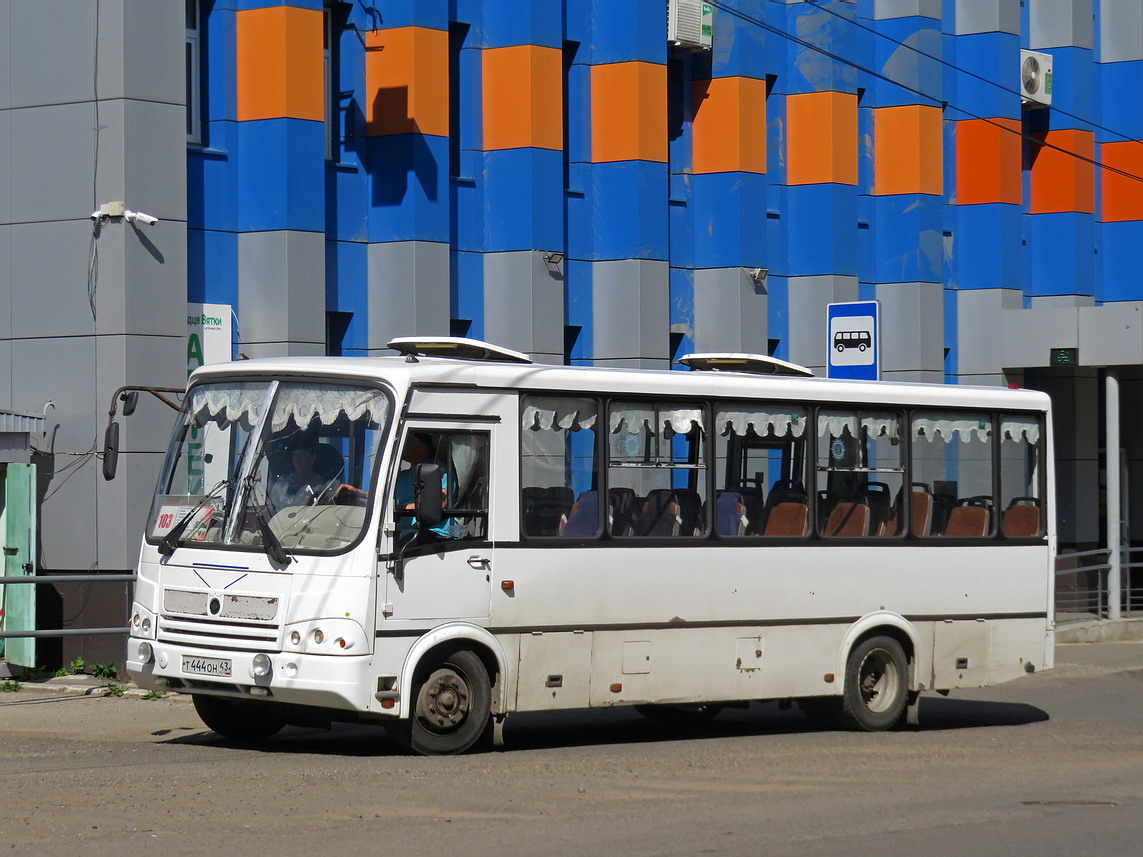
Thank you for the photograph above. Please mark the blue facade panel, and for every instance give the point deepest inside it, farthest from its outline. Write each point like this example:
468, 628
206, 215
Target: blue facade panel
212, 179
628, 212
729, 220
906, 51
822, 224
212, 267
819, 33
682, 312
739, 43
1119, 261
1073, 92
1059, 258
346, 290
578, 305
778, 314
1120, 118
983, 63
510, 22
907, 240
466, 297
627, 31
281, 175
985, 239
390, 14
523, 194
408, 198
681, 220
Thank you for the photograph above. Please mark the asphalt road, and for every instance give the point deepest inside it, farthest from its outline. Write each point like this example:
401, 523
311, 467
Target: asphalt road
1051, 764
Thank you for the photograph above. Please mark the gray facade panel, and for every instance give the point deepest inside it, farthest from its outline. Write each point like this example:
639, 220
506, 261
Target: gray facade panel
807, 300
5, 164
885, 9
1061, 301
987, 16
5, 288
729, 311
1111, 335
979, 344
52, 57
49, 279
1120, 30
53, 143
141, 51
1060, 24
281, 293
1029, 334
5, 57
141, 286
912, 331
142, 157
631, 313
524, 304
408, 283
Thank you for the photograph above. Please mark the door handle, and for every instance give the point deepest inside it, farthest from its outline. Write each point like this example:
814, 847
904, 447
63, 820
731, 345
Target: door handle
477, 561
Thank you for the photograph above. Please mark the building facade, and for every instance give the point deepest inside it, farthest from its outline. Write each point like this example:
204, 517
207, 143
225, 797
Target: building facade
560, 178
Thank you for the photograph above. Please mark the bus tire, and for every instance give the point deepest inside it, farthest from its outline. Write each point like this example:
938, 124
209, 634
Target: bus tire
240, 720
452, 706
876, 685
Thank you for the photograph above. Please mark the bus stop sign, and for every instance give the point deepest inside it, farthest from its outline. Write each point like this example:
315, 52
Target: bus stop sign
853, 341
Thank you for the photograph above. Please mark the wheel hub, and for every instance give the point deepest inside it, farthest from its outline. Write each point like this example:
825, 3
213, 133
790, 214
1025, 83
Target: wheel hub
443, 703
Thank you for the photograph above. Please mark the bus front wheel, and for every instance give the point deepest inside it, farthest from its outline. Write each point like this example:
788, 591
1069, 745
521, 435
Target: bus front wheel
240, 720
876, 685
452, 706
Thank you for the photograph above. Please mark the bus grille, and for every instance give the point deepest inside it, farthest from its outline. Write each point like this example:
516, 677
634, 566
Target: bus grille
192, 618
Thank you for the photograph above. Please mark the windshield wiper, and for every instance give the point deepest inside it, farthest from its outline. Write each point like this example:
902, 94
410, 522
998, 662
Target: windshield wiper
273, 546
171, 541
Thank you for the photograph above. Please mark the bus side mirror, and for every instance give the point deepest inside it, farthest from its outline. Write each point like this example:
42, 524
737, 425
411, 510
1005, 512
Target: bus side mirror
429, 496
130, 401
110, 450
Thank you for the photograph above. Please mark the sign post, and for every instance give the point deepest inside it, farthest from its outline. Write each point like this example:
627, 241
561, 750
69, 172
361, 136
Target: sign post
853, 341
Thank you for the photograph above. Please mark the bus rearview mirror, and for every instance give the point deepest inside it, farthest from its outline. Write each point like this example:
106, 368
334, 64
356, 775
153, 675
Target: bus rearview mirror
430, 495
110, 450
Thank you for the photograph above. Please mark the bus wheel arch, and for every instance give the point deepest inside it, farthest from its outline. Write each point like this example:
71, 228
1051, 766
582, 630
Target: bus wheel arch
878, 673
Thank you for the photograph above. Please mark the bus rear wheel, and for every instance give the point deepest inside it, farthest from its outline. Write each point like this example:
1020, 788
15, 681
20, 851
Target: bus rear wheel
876, 685
238, 719
452, 706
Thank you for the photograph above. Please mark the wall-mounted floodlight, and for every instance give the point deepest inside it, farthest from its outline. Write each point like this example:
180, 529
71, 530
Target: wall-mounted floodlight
554, 258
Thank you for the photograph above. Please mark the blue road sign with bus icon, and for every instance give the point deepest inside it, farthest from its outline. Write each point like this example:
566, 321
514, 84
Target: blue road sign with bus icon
853, 341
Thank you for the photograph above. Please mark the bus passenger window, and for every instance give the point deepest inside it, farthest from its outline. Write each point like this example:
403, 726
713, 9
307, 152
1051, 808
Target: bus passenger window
952, 456
760, 456
1021, 477
861, 474
656, 474
559, 492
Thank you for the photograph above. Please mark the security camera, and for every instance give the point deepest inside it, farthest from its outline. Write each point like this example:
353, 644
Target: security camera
139, 217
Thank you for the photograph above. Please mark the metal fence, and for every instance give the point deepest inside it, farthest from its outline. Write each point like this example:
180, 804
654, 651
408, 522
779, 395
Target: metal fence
1081, 584
64, 578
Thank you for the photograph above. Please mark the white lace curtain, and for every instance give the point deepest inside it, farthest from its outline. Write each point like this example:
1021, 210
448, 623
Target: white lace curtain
839, 423
555, 412
243, 403
966, 428
636, 418
1020, 428
790, 422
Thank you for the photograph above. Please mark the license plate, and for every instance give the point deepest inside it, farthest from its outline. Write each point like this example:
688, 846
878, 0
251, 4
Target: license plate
206, 666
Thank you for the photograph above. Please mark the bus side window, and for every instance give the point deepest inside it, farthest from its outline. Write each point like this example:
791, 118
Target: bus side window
760, 460
558, 478
952, 452
861, 474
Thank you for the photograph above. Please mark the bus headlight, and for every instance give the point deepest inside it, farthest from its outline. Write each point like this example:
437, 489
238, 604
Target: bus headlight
327, 637
260, 666
142, 622
145, 652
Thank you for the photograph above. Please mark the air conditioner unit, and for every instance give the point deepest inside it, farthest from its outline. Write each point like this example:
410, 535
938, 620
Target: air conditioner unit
1035, 79
689, 24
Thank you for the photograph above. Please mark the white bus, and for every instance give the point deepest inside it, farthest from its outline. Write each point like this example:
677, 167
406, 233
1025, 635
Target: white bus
434, 541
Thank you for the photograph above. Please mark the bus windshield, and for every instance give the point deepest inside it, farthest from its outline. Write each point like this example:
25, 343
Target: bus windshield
260, 463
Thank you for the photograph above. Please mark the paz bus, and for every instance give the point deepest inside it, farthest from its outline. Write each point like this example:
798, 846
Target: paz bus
472, 534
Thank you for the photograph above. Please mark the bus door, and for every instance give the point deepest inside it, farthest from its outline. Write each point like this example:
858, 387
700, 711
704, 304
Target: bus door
443, 571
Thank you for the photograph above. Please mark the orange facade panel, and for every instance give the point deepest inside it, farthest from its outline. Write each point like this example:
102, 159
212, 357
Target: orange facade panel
1062, 173
629, 112
728, 133
279, 66
522, 97
1122, 196
822, 138
406, 81
988, 161
907, 150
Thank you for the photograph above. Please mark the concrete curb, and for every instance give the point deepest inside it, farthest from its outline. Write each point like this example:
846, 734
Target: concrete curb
1101, 631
